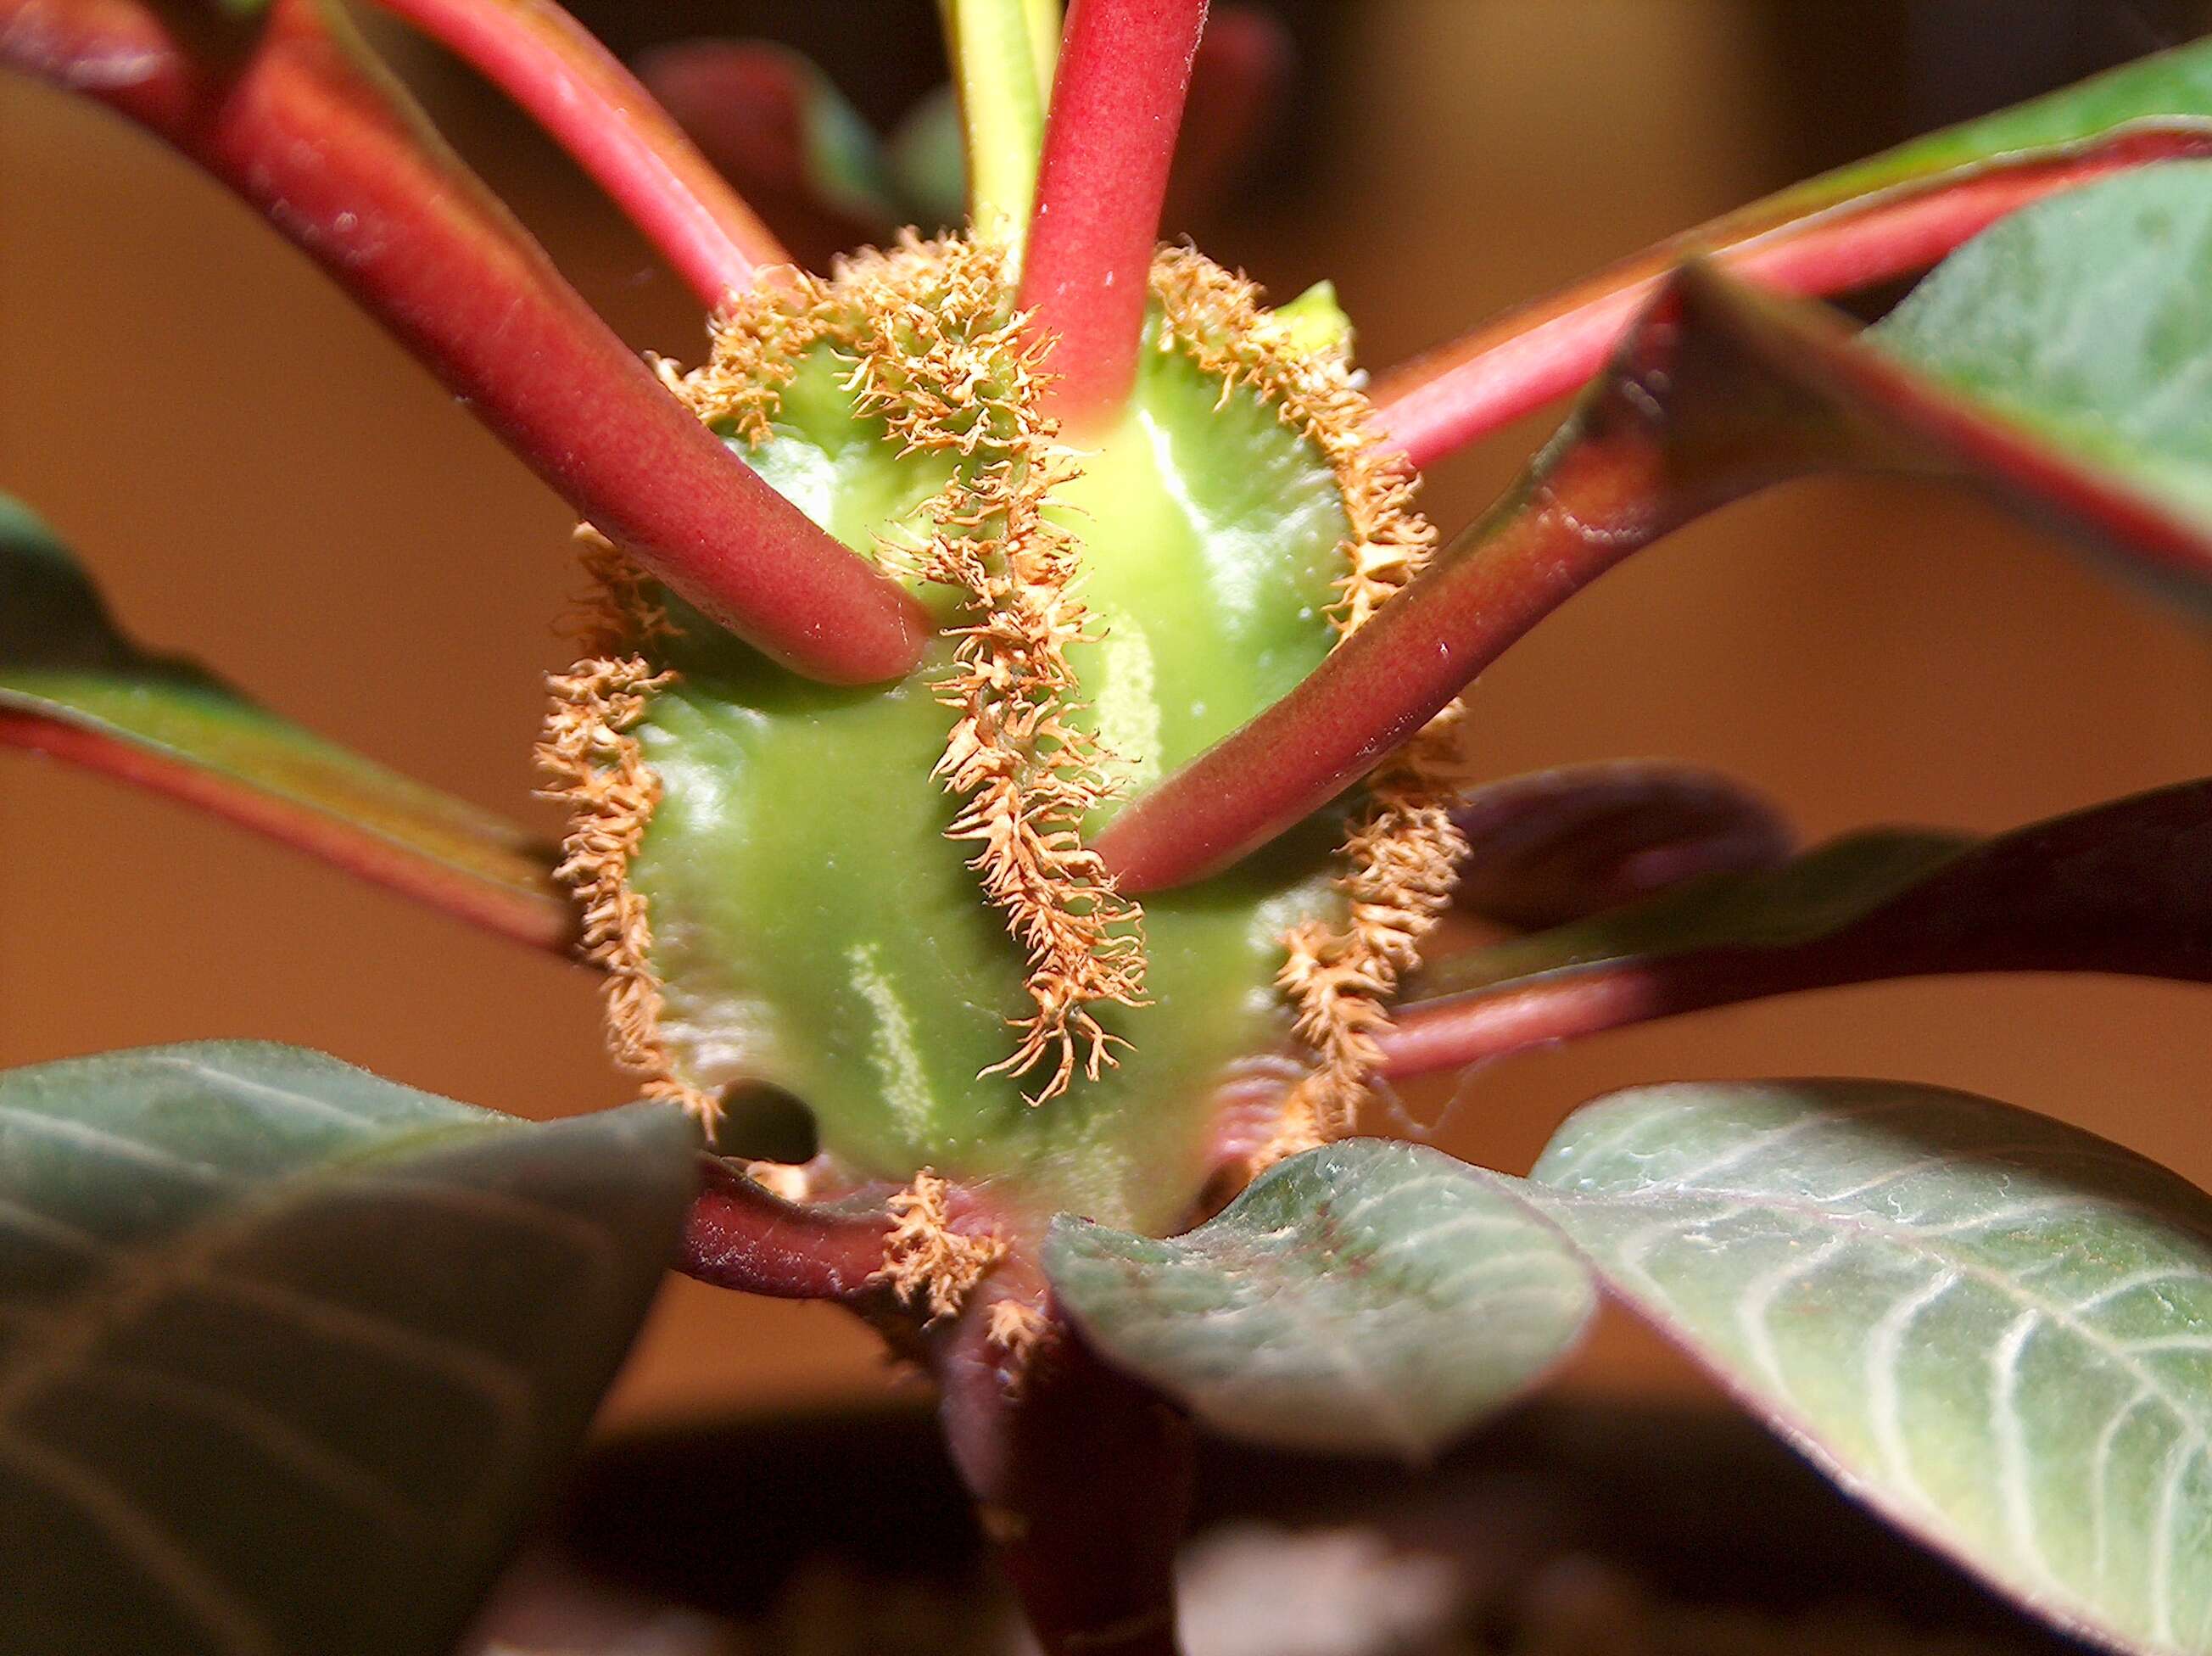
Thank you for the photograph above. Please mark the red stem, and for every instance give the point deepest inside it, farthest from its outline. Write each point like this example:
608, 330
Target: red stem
2123, 887
285, 116
1117, 101
1441, 401
1082, 1477
600, 113
542, 917
1722, 389
741, 1236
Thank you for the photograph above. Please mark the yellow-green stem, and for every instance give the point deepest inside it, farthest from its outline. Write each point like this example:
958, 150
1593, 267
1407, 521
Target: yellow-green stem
995, 62
1044, 45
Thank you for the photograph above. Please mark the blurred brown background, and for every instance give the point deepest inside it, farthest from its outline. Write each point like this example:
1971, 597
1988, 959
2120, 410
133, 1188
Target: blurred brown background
254, 473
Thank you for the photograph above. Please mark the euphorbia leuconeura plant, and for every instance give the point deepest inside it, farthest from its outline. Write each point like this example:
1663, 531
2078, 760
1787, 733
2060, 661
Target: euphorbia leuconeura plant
1017, 718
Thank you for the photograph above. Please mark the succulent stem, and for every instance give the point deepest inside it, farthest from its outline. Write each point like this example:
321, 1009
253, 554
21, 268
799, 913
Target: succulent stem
574, 88
1117, 103
995, 63
1440, 402
295, 118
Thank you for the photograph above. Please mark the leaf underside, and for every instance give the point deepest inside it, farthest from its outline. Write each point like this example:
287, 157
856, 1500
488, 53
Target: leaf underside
1994, 1327
1366, 1296
288, 1353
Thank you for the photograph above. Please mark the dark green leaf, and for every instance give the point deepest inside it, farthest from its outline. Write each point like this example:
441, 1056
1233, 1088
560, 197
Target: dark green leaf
288, 1353
73, 685
1366, 1295
1554, 846
1994, 1328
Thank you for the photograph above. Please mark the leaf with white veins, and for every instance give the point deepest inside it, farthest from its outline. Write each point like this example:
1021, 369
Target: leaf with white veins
1994, 1328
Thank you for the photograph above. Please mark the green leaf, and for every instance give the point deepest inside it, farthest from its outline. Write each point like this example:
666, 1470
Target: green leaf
1994, 1328
79, 689
2087, 318
995, 64
1367, 1296
288, 1353
2168, 88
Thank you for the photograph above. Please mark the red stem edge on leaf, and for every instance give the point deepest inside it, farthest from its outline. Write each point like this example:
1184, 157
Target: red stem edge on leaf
597, 111
1439, 403
297, 121
1116, 104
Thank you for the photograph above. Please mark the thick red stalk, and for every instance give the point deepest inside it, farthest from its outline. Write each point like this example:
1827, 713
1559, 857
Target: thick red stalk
1440, 402
287, 116
526, 907
574, 88
1529, 556
1116, 103
739, 1235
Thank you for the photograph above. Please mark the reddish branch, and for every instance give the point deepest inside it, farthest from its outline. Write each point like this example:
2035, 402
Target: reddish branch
2125, 888
523, 905
741, 1236
1447, 399
1117, 101
1082, 1477
1723, 390
573, 87
284, 114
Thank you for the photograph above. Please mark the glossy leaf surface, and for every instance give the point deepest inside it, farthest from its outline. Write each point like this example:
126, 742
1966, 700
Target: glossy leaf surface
1994, 1328
288, 1353
1367, 1296
72, 685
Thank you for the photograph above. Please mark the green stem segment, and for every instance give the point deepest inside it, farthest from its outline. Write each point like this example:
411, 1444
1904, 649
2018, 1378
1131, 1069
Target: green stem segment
1044, 43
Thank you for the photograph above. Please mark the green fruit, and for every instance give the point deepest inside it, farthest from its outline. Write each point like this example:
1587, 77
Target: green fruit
813, 927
